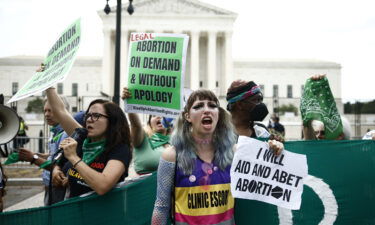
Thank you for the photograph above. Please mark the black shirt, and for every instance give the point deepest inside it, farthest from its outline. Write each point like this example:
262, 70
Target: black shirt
76, 182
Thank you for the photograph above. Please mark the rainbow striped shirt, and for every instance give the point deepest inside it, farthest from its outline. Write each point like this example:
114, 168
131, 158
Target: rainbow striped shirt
204, 197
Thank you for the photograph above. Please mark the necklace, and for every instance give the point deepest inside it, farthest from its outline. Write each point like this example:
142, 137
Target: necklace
202, 141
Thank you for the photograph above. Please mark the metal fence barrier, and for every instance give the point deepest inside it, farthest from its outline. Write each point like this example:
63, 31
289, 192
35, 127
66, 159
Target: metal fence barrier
34, 144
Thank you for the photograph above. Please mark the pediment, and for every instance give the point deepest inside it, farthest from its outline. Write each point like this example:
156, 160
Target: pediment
176, 7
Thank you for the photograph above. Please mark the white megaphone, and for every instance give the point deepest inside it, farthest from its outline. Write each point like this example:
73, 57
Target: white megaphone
9, 124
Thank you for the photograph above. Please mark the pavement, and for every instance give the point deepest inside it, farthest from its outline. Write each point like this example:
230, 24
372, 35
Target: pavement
31, 202
23, 193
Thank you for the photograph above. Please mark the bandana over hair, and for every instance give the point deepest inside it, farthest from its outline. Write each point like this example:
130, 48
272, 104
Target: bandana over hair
242, 92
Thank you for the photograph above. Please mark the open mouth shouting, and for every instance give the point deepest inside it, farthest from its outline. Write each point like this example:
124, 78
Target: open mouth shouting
207, 122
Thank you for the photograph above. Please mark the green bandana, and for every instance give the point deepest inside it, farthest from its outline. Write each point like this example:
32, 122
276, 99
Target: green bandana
158, 140
45, 164
317, 103
12, 158
91, 150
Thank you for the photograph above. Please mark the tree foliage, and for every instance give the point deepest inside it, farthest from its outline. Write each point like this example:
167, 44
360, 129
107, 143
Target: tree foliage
360, 107
35, 106
288, 108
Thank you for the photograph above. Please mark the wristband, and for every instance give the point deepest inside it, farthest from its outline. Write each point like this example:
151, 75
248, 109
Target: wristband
75, 164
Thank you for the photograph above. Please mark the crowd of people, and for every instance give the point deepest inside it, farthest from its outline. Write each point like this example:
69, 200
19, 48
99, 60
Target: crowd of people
189, 154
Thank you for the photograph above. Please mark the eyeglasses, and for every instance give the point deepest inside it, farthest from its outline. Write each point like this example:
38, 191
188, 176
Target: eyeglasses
94, 116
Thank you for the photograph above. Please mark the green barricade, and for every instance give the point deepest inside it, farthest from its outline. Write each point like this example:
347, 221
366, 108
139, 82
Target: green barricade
131, 204
340, 190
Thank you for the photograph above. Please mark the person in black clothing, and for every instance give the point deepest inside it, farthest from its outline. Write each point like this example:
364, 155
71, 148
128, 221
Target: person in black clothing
103, 159
275, 127
245, 103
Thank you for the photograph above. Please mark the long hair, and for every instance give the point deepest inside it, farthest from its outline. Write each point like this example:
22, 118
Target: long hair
223, 140
118, 131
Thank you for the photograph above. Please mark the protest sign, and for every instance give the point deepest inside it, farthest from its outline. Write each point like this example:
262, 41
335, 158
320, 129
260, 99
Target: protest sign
258, 174
58, 63
156, 73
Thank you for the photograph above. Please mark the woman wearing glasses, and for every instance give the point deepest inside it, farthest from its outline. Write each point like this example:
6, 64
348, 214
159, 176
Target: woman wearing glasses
103, 159
197, 168
149, 142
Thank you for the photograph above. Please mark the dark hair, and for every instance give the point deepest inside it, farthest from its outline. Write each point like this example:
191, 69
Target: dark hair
118, 131
200, 94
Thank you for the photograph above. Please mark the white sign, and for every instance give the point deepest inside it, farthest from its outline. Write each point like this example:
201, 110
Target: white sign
258, 174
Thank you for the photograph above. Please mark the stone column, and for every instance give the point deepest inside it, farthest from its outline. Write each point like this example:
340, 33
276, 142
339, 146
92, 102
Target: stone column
228, 73
107, 74
194, 61
211, 61
124, 58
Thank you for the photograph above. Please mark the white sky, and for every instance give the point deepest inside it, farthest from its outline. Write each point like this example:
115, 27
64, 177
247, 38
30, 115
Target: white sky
341, 31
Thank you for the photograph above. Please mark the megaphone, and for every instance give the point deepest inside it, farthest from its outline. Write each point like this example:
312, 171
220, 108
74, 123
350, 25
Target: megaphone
9, 124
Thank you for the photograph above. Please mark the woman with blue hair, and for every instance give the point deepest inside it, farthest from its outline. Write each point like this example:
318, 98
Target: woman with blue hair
197, 164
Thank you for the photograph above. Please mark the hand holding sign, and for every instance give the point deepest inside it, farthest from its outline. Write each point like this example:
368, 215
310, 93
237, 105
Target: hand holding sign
156, 73
56, 65
257, 173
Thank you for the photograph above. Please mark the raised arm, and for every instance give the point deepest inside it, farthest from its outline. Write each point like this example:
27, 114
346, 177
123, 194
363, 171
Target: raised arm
136, 131
65, 119
308, 132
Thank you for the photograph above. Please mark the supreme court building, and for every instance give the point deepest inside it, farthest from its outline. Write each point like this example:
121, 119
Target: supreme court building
210, 63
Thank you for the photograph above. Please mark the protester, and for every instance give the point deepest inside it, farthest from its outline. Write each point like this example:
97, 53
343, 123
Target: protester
200, 161
103, 158
245, 103
3, 180
276, 126
321, 119
150, 142
21, 138
58, 185
53, 143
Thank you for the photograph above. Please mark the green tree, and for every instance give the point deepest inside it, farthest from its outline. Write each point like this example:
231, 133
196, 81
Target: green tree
35, 105
360, 107
288, 108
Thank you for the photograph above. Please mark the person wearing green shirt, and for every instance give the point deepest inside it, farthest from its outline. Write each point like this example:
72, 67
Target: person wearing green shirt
149, 142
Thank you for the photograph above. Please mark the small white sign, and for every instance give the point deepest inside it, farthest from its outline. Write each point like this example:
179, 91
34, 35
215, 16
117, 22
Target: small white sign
258, 174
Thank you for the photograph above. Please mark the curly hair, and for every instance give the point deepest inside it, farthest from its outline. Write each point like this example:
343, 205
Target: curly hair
224, 137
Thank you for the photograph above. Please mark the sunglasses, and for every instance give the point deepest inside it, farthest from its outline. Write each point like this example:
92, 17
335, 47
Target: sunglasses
94, 116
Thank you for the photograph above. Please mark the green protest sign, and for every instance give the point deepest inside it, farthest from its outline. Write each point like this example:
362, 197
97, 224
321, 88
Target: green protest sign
58, 63
156, 73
